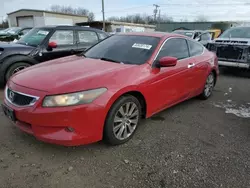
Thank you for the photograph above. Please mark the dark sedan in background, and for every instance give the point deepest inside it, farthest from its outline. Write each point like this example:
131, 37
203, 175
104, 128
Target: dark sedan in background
44, 44
13, 33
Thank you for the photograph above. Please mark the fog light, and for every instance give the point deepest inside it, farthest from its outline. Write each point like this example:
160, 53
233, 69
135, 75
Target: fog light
69, 129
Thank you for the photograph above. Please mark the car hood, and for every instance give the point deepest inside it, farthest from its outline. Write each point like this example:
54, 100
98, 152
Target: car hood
73, 73
11, 46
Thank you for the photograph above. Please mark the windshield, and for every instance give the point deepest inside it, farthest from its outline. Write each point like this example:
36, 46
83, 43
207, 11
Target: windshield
34, 37
186, 33
13, 30
127, 49
238, 32
4, 31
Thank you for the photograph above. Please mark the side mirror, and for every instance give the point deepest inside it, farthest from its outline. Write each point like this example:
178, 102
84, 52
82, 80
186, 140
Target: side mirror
168, 61
52, 45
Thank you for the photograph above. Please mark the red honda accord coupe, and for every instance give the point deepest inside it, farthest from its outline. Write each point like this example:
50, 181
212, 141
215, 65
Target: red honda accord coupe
103, 93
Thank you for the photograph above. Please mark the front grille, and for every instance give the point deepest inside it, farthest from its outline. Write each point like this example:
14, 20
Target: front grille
231, 41
20, 99
229, 52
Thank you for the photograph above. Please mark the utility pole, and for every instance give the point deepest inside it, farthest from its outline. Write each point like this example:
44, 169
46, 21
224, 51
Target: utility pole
103, 15
155, 10
159, 16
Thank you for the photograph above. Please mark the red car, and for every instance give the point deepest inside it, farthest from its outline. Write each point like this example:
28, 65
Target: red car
104, 93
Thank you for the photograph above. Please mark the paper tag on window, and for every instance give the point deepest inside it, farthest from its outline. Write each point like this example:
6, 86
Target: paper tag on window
42, 32
142, 46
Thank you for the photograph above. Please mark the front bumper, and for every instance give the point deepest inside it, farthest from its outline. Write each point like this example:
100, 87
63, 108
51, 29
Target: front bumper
233, 64
50, 124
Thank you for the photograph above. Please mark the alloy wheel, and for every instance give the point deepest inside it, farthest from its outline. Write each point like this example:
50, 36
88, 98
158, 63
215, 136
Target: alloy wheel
126, 120
18, 69
209, 85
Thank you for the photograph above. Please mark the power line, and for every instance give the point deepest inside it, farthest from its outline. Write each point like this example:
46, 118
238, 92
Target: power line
119, 10
176, 4
205, 4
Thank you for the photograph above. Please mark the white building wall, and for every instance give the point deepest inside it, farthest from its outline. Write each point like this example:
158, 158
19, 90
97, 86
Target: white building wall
125, 28
45, 18
58, 21
39, 21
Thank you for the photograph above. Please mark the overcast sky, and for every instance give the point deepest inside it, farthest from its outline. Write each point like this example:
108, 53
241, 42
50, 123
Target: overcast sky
214, 10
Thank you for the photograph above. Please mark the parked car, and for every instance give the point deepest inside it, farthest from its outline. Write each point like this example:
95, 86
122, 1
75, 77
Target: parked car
232, 47
43, 44
13, 33
105, 92
201, 36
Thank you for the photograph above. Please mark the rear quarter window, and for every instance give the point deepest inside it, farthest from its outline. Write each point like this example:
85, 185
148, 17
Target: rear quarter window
195, 48
102, 36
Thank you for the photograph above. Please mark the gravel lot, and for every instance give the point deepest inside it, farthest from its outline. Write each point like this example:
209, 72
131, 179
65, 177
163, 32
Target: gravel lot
194, 144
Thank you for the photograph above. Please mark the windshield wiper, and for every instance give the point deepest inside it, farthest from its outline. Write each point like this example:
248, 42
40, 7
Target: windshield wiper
107, 59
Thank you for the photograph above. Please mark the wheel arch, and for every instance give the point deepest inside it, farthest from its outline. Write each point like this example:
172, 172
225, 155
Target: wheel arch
215, 76
15, 58
131, 90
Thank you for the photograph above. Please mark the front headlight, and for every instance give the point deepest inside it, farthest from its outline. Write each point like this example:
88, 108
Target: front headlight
83, 97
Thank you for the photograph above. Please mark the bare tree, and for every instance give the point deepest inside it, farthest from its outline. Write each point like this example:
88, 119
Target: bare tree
141, 19
201, 18
4, 24
184, 20
71, 10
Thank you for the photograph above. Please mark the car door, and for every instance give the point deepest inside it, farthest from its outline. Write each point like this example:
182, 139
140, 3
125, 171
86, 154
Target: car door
86, 39
199, 70
65, 44
171, 84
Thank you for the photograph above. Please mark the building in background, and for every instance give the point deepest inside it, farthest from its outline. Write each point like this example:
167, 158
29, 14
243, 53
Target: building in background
172, 26
37, 18
119, 27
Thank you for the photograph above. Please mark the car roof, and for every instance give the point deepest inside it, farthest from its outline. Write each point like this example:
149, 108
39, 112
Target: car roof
70, 27
153, 34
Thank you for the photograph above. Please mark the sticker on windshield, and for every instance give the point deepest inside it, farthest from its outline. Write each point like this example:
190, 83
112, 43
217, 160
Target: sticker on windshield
41, 32
142, 46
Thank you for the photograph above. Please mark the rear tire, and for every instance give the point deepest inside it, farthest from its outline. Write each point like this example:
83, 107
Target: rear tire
122, 120
16, 67
209, 86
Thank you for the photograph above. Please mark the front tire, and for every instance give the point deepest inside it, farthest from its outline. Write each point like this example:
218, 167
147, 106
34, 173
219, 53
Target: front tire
13, 69
122, 120
209, 86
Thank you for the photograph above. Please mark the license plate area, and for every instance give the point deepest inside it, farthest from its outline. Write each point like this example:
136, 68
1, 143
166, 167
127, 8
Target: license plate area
10, 113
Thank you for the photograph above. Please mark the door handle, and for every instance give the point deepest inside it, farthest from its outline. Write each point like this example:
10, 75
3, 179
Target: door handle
190, 65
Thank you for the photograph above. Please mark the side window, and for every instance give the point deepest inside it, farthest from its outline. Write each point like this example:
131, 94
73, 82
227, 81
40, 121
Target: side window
102, 36
205, 36
195, 48
174, 47
88, 37
63, 37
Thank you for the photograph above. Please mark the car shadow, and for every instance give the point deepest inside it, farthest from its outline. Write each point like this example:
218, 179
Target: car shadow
101, 145
235, 72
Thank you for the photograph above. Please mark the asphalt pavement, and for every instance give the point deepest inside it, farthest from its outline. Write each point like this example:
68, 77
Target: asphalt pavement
194, 144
